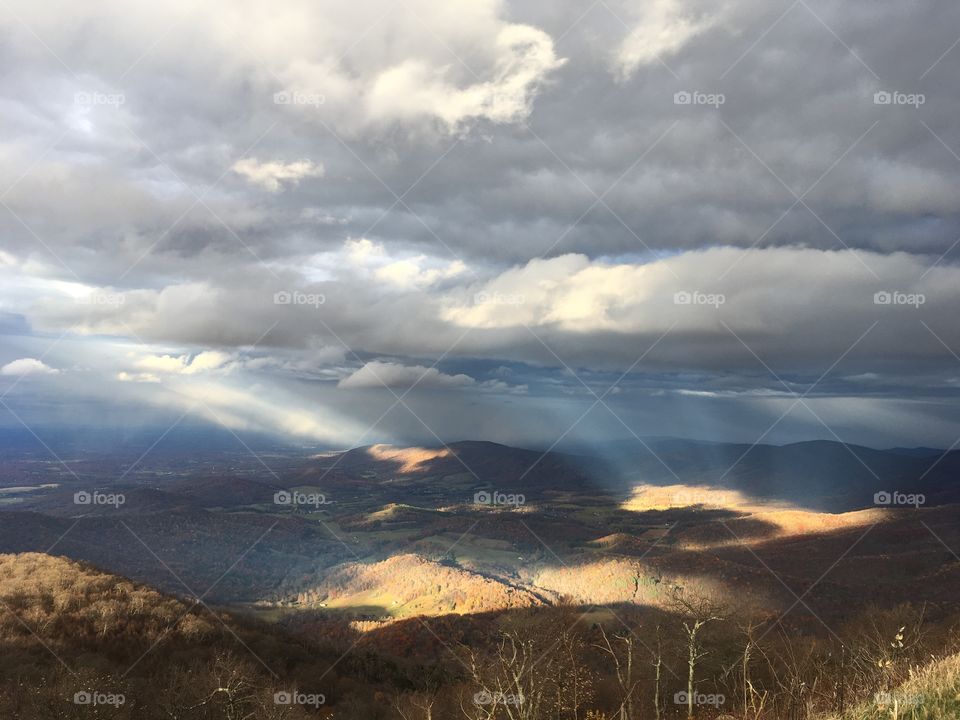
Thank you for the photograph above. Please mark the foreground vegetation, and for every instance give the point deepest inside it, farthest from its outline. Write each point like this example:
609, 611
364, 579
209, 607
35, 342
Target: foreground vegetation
76, 640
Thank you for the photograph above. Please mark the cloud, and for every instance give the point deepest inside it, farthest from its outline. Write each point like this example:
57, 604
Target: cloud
162, 363
501, 194
124, 376
274, 175
664, 27
27, 366
207, 360
373, 65
397, 270
380, 374
377, 374
156, 365
463, 148
411, 273
802, 307
523, 58
499, 386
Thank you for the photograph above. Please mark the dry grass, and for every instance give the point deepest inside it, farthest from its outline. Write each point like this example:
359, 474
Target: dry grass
932, 694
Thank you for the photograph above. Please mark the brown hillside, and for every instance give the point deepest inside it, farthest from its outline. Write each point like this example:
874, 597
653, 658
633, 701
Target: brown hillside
409, 584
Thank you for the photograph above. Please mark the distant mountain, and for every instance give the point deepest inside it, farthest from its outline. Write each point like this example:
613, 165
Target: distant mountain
918, 452
820, 475
180, 439
454, 471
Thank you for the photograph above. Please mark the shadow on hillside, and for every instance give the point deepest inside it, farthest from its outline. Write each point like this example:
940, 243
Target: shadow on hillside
820, 476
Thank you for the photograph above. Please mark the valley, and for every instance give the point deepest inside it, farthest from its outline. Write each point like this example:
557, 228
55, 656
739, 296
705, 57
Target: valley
413, 555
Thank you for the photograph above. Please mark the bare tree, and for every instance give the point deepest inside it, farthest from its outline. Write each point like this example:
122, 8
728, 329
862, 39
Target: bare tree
697, 613
415, 706
658, 672
753, 699
235, 693
574, 681
518, 681
624, 666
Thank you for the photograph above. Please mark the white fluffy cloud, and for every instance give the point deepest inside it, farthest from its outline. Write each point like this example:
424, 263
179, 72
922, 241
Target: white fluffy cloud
663, 28
27, 366
152, 367
370, 64
768, 290
373, 261
588, 310
523, 57
207, 360
380, 374
377, 374
274, 175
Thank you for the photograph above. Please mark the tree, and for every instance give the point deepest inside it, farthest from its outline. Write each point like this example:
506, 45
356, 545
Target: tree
623, 654
415, 706
519, 680
697, 613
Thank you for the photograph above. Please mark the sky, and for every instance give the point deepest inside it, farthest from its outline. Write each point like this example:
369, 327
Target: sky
535, 223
